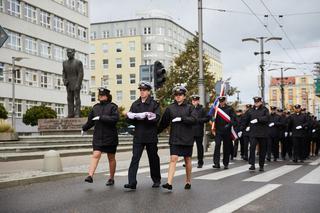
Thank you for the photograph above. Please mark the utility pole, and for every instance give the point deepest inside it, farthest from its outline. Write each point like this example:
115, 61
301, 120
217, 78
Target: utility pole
201, 75
238, 97
262, 40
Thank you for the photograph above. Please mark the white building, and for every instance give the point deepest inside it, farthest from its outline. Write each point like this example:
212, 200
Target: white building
41, 31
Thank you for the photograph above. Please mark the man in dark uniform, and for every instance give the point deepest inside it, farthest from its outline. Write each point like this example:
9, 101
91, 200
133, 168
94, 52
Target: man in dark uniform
282, 131
144, 114
297, 125
222, 132
288, 137
198, 128
245, 132
258, 119
308, 137
237, 128
274, 134
72, 74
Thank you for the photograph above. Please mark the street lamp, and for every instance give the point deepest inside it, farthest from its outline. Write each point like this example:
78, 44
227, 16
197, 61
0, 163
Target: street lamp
13, 79
262, 40
281, 82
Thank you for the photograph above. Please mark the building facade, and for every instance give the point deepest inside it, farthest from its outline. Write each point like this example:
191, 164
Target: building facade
131, 43
40, 32
297, 90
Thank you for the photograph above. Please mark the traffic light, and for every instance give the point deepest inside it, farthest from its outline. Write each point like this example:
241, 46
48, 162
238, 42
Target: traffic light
159, 74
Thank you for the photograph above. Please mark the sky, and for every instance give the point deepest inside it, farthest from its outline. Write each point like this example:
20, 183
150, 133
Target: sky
225, 30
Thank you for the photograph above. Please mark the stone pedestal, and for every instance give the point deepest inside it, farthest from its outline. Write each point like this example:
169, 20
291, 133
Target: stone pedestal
58, 126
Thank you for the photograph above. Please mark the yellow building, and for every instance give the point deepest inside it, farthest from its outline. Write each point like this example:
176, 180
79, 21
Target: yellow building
297, 90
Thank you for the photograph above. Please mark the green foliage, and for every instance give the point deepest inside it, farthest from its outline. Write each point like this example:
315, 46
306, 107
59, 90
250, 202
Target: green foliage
5, 127
85, 111
122, 123
3, 112
35, 113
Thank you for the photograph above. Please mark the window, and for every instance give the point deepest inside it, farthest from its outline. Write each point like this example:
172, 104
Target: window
118, 47
31, 46
71, 4
58, 24
160, 31
119, 32
170, 48
92, 48
118, 62
1, 72
132, 61
132, 78
82, 33
93, 96
119, 95
303, 81
71, 29
85, 87
44, 19
105, 34
14, 41
119, 79
18, 79
30, 13
92, 64
132, 31
59, 108
93, 35
132, 46
147, 30
58, 83
1, 5
147, 62
30, 104
31, 78
18, 108
105, 63
147, 46
58, 53
93, 81
104, 47
160, 47
14, 7
45, 49
84, 58
132, 95
81, 7
105, 81
45, 81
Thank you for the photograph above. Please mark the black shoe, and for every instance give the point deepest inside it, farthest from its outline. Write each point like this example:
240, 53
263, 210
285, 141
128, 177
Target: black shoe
110, 182
295, 161
216, 166
252, 168
187, 186
261, 169
226, 167
89, 179
301, 161
245, 158
269, 159
156, 184
130, 186
167, 186
199, 165
275, 159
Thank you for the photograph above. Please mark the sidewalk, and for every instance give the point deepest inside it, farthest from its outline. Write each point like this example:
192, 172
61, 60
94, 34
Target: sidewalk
14, 173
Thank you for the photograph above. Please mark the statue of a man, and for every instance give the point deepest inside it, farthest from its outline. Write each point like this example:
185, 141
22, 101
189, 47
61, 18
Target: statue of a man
72, 78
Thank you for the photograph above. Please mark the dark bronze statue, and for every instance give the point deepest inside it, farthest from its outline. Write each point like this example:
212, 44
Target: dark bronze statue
72, 78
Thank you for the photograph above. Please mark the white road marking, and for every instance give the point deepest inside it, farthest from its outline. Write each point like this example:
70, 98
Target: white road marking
312, 177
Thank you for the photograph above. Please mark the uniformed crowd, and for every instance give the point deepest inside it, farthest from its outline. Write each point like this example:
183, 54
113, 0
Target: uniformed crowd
254, 130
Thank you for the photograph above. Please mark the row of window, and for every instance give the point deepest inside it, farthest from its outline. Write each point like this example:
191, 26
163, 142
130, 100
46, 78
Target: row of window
105, 80
44, 19
41, 48
36, 78
119, 96
80, 6
105, 47
105, 63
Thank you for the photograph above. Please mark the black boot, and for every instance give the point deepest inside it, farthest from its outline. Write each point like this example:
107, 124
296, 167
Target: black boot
89, 179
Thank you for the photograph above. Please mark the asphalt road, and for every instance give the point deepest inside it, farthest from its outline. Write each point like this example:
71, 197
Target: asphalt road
283, 187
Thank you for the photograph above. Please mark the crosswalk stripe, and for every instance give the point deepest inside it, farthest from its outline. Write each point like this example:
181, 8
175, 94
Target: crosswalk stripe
312, 177
315, 163
244, 200
224, 173
273, 174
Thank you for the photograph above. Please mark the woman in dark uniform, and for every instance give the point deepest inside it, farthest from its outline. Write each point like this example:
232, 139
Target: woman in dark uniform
104, 117
181, 117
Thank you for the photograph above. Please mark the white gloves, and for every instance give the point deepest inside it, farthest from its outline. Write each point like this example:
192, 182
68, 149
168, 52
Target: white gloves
254, 121
299, 127
290, 134
151, 116
248, 129
96, 118
240, 134
313, 131
130, 115
177, 119
82, 132
271, 124
140, 116
286, 134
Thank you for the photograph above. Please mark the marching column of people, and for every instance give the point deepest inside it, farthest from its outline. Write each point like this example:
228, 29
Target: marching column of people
269, 134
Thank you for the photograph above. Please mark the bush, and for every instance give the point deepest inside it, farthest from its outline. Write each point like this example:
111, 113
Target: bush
38, 112
3, 112
5, 127
85, 111
122, 123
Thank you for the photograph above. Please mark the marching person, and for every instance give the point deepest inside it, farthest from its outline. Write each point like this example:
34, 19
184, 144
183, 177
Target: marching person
275, 126
239, 117
298, 122
245, 132
198, 128
258, 119
181, 117
104, 117
224, 121
144, 114
288, 137
282, 133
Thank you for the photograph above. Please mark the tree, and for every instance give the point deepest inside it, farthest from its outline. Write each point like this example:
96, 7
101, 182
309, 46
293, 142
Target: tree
122, 123
3, 112
85, 111
35, 113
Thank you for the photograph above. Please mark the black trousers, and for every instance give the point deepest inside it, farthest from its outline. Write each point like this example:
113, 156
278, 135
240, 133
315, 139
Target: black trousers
236, 147
226, 149
154, 162
287, 147
273, 147
262, 150
317, 141
298, 148
199, 141
246, 142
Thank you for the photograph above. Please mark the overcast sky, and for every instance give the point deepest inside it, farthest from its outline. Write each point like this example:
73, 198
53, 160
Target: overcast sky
224, 30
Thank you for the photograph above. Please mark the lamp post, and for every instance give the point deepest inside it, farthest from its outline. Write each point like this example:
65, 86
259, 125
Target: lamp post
262, 40
13, 114
201, 75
